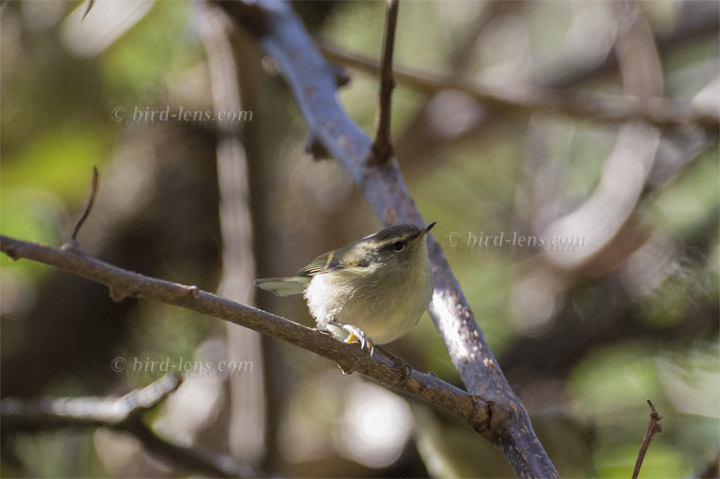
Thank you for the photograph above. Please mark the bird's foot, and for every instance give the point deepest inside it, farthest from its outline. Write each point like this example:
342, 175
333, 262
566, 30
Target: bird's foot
356, 335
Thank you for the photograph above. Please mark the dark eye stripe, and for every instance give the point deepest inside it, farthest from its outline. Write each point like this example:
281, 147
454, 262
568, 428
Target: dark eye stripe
396, 244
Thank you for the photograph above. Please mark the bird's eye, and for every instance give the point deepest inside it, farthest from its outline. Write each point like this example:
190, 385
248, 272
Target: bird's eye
399, 245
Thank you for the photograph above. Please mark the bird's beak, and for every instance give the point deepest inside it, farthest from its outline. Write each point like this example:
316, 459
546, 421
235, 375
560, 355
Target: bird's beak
424, 231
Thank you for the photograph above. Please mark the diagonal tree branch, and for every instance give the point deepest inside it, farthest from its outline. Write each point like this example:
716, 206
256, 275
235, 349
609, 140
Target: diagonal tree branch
312, 81
22, 414
122, 413
349, 357
593, 106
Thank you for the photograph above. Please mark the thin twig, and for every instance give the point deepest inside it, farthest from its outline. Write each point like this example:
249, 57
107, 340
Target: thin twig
349, 357
382, 149
653, 428
88, 207
123, 413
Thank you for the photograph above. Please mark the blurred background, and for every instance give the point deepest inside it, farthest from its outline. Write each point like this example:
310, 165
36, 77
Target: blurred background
622, 306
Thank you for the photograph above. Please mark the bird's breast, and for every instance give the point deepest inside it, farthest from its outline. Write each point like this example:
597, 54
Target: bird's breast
384, 305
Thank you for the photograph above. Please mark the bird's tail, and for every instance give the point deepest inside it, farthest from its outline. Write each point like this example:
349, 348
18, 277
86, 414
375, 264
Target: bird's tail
291, 286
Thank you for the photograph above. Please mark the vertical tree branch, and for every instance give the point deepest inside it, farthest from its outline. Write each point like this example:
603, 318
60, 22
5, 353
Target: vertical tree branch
382, 149
247, 405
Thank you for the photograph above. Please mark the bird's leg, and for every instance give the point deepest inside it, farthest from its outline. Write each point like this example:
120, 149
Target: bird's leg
406, 368
355, 335
358, 335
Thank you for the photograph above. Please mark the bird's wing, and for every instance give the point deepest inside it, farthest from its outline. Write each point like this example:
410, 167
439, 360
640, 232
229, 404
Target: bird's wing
326, 262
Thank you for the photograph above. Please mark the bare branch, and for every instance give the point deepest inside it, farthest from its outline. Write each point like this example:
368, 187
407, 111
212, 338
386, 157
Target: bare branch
653, 428
312, 81
122, 413
349, 357
382, 149
211, 463
247, 426
91, 201
113, 411
593, 106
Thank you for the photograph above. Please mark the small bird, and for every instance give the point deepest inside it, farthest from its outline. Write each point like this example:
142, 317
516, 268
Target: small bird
372, 291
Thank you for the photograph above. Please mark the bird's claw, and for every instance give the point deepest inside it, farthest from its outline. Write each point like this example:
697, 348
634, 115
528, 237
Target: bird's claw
358, 335
355, 335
